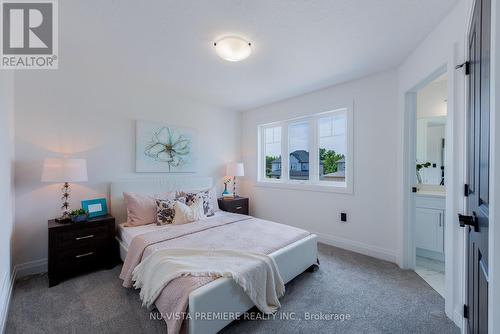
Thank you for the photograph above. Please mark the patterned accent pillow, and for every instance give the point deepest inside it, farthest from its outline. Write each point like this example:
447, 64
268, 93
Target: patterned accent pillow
208, 207
165, 210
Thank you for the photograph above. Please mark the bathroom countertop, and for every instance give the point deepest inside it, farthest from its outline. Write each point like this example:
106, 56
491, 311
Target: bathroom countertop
431, 191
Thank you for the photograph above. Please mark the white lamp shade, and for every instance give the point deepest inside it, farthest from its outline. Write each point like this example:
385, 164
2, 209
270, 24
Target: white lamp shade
235, 169
64, 170
233, 48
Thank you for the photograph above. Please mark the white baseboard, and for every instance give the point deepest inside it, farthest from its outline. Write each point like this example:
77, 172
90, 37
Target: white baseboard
430, 254
31, 268
7, 284
5, 295
358, 247
458, 319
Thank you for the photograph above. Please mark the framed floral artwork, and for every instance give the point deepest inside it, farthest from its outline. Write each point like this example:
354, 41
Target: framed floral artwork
163, 148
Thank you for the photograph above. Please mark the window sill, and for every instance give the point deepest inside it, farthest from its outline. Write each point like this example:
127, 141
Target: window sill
306, 187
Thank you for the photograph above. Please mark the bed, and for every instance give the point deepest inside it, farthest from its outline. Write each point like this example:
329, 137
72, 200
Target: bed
222, 295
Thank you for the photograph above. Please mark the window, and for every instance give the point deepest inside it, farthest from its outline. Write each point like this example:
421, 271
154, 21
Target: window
298, 151
272, 152
328, 135
332, 147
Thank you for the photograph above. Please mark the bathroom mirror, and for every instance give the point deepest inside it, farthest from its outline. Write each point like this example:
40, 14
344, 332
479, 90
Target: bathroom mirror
431, 133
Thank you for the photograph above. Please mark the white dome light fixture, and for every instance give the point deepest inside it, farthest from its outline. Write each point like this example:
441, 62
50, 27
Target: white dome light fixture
233, 48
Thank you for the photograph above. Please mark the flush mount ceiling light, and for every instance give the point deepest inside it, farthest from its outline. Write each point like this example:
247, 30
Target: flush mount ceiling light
233, 48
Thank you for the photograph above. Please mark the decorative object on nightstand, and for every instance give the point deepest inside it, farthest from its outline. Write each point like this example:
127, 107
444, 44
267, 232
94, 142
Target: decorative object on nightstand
235, 169
77, 248
227, 180
64, 170
78, 216
95, 207
234, 205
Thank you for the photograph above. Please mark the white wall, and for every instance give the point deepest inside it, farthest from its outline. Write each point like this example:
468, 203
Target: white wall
86, 109
443, 47
6, 187
431, 100
105, 137
372, 223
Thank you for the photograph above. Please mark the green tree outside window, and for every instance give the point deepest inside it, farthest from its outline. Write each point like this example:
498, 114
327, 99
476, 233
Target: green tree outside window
329, 158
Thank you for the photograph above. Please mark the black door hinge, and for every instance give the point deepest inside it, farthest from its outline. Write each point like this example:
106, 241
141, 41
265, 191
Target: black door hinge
466, 65
466, 311
466, 190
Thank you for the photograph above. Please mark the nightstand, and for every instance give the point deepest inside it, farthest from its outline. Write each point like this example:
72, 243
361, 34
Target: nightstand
235, 205
75, 248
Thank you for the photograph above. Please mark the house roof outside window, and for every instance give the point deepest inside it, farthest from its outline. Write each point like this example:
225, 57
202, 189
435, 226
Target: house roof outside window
301, 155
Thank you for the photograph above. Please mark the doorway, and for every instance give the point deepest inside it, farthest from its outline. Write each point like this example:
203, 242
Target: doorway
431, 178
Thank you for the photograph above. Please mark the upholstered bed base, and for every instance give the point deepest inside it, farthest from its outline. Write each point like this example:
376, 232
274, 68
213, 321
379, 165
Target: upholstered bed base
223, 299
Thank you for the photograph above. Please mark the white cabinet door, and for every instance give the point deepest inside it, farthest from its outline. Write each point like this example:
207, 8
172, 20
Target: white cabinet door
429, 229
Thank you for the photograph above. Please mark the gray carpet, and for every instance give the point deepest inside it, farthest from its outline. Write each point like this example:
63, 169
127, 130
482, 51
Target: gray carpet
377, 296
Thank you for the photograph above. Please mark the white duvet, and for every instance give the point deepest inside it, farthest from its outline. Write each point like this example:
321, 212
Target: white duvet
257, 274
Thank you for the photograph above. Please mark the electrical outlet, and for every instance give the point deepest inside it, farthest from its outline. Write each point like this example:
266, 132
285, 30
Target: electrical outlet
343, 217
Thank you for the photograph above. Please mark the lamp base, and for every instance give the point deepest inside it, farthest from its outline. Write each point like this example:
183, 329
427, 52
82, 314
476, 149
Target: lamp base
234, 187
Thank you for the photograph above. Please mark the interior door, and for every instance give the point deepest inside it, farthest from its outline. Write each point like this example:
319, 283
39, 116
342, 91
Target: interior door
478, 161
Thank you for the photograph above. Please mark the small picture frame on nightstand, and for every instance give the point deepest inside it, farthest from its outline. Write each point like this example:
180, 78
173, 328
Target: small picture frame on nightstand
95, 207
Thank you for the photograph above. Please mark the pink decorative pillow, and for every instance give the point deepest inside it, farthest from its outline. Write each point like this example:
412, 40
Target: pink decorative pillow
141, 209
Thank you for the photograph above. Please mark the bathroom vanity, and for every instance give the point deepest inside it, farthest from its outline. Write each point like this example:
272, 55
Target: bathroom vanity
430, 222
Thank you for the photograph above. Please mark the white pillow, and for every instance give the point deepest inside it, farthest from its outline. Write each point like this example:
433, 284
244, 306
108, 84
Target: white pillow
186, 214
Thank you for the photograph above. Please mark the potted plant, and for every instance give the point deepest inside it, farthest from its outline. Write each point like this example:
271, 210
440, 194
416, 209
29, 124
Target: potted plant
78, 216
419, 167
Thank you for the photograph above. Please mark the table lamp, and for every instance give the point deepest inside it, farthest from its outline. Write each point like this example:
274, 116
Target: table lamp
235, 169
64, 170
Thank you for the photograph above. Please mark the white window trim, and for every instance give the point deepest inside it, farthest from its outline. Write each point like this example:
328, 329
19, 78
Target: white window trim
313, 184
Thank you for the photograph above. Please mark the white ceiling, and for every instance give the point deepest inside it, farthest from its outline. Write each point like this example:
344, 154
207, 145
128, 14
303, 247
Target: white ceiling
298, 45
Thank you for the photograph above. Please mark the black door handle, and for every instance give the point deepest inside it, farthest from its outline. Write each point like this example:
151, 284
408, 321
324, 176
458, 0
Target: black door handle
469, 220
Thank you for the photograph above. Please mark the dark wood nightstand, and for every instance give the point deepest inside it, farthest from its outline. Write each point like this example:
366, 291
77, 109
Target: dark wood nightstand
79, 247
235, 205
